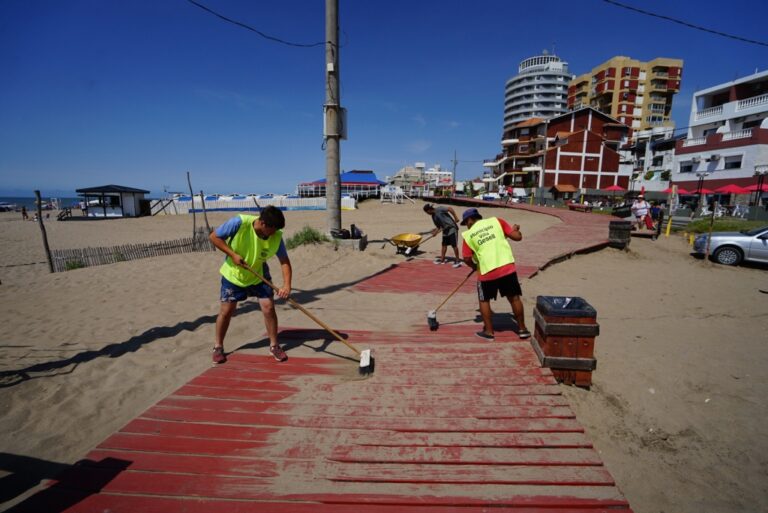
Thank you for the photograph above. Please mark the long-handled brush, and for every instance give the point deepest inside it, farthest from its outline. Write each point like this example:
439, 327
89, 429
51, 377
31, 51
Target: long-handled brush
432, 314
414, 248
367, 362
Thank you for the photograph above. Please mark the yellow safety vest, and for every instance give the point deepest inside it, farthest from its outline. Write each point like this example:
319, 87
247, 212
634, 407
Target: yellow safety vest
254, 250
486, 238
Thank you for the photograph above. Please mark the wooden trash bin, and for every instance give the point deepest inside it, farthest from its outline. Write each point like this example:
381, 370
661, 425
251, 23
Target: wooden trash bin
619, 234
564, 338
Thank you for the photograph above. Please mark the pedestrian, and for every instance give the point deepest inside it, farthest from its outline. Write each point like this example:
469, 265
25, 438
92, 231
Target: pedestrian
251, 240
640, 209
24, 215
485, 248
445, 219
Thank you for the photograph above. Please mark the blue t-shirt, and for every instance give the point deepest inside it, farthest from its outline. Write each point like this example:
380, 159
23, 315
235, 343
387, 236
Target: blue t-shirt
229, 229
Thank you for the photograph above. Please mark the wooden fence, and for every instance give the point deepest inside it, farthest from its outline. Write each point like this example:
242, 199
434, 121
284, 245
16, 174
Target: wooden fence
68, 259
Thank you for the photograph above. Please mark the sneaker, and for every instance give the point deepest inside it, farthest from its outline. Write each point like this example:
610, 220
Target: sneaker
524, 334
438, 261
278, 353
484, 336
456, 265
218, 355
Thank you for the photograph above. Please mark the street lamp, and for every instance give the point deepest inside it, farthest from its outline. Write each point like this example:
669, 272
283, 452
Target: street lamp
760, 172
701, 185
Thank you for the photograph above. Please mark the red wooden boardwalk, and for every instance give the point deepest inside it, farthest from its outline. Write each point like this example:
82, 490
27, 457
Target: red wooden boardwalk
447, 423
443, 425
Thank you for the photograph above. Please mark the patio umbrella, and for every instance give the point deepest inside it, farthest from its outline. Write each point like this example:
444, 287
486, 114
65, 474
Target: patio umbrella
614, 188
705, 191
753, 188
731, 189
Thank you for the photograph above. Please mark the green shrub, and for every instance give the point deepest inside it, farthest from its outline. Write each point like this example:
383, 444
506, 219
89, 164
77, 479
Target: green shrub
649, 175
306, 235
722, 225
665, 175
69, 265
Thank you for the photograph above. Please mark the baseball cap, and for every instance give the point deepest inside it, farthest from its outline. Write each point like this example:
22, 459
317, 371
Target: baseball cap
470, 212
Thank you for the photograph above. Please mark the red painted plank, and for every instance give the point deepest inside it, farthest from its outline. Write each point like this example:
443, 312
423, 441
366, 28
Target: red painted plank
410, 424
465, 455
232, 393
157, 443
448, 390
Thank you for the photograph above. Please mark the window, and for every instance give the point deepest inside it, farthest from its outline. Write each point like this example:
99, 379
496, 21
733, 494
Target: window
733, 162
524, 131
522, 148
686, 166
751, 124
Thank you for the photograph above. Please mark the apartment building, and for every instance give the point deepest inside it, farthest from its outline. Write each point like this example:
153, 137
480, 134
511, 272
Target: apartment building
638, 94
727, 140
540, 89
575, 151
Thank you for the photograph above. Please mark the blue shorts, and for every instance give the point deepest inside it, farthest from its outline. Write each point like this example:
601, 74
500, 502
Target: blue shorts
231, 293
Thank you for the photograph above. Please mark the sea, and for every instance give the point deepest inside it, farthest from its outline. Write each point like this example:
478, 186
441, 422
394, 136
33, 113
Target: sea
29, 202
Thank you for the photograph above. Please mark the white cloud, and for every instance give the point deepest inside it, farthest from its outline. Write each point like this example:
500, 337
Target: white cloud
454, 124
419, 120
419, 146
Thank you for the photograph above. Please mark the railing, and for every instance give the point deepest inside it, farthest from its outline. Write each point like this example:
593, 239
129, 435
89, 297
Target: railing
712, 111
741, 134
752, 102
694, 142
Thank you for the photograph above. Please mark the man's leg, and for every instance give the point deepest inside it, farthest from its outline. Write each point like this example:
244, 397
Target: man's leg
485, 313
456, 252
517, 309
270, 319
226, 311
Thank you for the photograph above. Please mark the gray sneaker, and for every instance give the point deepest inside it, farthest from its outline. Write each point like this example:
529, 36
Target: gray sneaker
278, 353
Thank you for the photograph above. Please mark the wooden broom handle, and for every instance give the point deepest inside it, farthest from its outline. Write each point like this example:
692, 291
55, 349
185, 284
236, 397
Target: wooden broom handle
304, 310
455, 290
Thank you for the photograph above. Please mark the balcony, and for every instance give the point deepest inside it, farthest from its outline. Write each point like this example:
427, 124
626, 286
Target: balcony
741, 134
752, 102
696, 141
710, 112
714, 142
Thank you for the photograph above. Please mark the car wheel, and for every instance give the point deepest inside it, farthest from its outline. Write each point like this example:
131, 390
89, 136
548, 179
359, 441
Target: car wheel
727, 256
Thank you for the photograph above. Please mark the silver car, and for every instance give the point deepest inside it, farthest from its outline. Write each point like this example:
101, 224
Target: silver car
730, 248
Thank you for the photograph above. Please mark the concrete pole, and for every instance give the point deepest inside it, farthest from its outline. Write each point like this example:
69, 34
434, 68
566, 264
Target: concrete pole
332, 109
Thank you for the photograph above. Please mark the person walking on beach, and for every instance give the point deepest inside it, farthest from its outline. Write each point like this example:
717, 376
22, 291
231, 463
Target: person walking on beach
24, 215
445, 219
485, 249
640, 209
251, 240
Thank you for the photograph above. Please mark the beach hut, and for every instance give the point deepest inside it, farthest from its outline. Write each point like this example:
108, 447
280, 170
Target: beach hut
358, 184
114, 201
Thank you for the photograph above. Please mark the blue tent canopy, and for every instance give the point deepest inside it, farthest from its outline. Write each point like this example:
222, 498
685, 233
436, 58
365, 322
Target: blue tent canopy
356, 177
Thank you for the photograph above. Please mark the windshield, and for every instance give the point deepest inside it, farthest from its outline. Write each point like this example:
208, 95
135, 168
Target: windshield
754, 231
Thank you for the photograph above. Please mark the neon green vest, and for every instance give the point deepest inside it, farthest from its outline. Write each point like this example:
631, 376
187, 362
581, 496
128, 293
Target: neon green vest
487, 240
254, 250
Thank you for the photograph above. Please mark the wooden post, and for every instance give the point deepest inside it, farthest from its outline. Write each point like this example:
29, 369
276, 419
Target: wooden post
205, 214
192, 197
42, 229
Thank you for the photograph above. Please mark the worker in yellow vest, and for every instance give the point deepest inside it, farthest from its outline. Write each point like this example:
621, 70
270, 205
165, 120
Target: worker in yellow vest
485, 249
251, 240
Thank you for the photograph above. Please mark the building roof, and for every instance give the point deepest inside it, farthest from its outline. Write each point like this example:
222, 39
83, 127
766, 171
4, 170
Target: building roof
529, 122
563, 188
353, 177
103, 189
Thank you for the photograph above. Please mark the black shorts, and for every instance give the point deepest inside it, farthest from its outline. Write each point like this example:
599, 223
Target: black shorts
507, 285
449, 240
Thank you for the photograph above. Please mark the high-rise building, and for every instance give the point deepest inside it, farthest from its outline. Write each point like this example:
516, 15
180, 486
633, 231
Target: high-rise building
539, 90
638, 94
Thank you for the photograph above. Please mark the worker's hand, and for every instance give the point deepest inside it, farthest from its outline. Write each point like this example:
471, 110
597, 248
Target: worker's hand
516, 227
435, 231
238, 260
284, 292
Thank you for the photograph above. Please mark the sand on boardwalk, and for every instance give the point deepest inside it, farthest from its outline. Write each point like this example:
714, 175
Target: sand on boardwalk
676, 410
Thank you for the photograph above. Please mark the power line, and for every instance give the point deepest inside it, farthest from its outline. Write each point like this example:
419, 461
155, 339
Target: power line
685, 23
248, 27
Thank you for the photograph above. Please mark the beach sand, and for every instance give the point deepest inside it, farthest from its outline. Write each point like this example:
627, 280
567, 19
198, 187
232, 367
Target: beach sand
677, 407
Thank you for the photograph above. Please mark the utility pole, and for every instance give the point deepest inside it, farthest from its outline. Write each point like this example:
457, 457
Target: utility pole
453, 175
333, 128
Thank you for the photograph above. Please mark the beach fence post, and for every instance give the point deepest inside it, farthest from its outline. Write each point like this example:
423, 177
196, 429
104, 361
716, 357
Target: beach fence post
42, 229
205, 213
192, 198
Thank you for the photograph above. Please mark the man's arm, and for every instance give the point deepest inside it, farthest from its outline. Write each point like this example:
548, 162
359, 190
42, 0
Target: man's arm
453, 214
222, 245
468, 255
515, 233
285, 266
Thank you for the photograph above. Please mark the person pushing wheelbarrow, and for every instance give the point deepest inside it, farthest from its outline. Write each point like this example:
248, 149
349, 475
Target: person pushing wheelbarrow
445, 220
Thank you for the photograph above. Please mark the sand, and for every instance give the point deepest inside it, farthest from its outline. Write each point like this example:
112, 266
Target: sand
676, 409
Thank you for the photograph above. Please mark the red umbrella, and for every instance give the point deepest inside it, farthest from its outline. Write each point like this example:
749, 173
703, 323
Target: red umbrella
731, 189
680, 190
615, 188
705, 191
753, 188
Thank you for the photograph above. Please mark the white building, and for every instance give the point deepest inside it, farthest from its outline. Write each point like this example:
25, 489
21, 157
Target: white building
727, 140
540, 90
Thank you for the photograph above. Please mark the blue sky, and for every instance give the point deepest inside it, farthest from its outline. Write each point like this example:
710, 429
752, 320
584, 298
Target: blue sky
139, 92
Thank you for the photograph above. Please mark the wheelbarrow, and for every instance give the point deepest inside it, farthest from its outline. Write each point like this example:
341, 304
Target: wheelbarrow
405, 242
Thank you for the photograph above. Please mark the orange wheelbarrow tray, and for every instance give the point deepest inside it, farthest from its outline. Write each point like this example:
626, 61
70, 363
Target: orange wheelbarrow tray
404, 241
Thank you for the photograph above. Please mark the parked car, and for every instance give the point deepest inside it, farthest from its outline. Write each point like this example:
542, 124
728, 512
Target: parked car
730, 248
